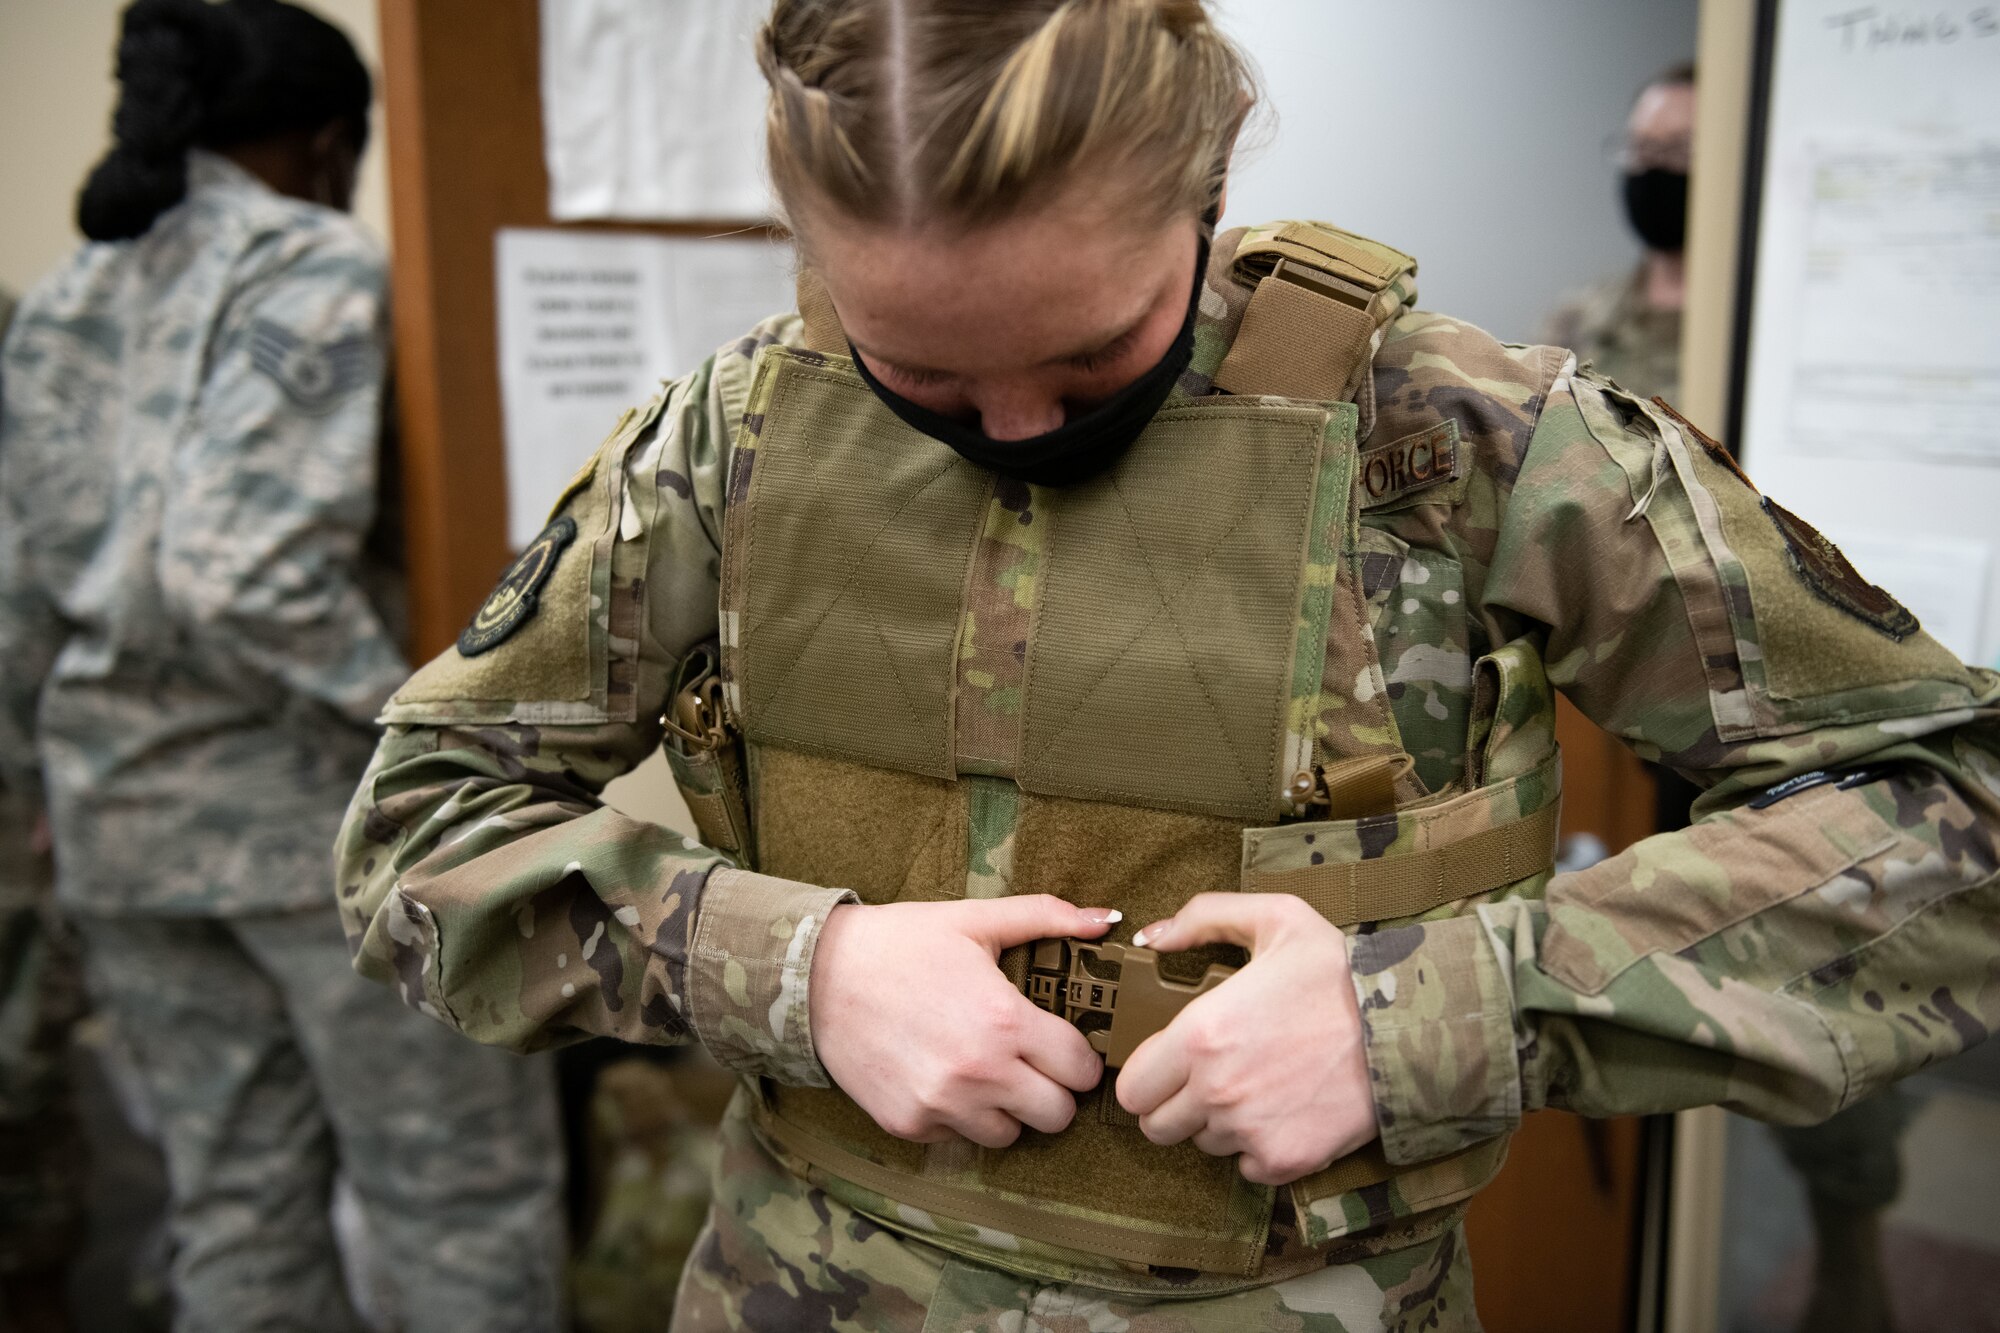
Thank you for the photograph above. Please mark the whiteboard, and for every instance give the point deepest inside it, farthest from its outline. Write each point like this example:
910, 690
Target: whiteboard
1871, 391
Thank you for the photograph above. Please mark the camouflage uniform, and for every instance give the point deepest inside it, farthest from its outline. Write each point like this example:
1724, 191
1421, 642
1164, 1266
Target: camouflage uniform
1851, 1161
196, 620
1784, 959
41, 1143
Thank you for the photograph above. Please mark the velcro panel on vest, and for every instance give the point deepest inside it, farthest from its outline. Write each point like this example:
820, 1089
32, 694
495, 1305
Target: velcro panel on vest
889, 836
856, 576
1147, 863
1160, 667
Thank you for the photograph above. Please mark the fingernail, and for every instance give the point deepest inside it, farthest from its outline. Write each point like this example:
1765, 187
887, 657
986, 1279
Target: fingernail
1102, 916
1152, 932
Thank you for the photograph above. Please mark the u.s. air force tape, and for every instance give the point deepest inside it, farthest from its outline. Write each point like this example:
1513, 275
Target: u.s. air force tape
513, 602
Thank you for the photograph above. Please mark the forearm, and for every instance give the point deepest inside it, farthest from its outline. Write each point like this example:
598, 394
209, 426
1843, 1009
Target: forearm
482, 878
1782, 962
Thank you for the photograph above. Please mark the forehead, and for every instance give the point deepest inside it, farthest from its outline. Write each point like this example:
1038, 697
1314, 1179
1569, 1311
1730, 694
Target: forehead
996, 297
1663, 111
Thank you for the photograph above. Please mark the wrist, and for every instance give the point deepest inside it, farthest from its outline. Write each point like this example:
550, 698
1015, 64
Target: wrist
756, 948
1437, 1023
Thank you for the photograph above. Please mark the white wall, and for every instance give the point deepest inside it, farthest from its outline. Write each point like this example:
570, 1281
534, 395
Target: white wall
56, 94
1467, 132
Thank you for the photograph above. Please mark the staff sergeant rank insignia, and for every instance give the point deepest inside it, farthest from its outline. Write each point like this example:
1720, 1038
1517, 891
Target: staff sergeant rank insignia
512, 603
1389, 472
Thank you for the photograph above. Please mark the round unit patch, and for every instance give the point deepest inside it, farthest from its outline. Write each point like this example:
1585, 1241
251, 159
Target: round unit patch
512, 604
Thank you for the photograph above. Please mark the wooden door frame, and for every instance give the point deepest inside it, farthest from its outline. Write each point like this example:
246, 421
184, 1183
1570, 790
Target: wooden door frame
462, 93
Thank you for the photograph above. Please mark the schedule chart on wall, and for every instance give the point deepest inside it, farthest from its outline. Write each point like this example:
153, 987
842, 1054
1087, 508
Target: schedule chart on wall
1871, 390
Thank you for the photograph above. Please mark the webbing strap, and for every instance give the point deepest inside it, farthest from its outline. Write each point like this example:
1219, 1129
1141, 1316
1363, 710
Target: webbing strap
1366, 261
1365, 785
1399, 886
982, 1208
823, 331
1295, 343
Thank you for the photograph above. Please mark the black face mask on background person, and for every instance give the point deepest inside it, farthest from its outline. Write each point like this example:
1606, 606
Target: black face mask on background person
1083, 446
1656, 204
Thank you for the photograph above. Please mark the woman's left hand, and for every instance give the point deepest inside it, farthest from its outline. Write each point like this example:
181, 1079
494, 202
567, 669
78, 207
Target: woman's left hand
1269, 1064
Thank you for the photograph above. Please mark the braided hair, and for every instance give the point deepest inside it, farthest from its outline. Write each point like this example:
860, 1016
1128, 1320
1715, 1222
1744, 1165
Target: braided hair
907, 111
197, 73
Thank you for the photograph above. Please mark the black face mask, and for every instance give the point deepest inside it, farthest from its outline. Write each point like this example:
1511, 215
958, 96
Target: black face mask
1656, 204
1082, 447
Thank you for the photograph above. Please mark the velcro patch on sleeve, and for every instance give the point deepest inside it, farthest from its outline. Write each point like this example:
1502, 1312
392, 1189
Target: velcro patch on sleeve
515, 599
1418, 462
1826, 570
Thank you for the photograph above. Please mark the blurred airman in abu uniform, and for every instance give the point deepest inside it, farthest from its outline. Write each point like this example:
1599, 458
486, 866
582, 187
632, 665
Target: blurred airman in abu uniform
41, 1141
1062, 567
198, 611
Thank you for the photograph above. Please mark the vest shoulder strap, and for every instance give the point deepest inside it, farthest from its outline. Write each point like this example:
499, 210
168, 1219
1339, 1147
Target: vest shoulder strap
1321, 298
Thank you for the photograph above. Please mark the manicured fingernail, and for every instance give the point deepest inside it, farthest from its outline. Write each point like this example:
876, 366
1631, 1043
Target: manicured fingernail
1152, 932
1102, 916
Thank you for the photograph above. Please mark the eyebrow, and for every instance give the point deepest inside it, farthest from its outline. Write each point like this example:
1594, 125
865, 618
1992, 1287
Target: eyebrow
1095, 347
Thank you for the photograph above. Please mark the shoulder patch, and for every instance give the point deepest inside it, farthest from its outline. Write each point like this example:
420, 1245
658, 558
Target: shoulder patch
1823, 569
1390, 472
314, 376
514, 601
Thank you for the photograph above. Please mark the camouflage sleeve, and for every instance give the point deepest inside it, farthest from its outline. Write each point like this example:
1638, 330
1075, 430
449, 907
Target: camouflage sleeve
30, 636
31, 633
1826, 926
275, 486
479, 872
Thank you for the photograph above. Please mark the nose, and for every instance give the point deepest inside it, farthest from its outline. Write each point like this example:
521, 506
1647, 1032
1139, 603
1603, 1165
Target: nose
1019, 414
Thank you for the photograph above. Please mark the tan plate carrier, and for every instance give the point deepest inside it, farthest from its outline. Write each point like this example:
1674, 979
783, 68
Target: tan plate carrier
1190, 632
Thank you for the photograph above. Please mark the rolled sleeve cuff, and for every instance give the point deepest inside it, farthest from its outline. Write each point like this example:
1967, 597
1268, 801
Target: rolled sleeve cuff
1437, 1016
750, 988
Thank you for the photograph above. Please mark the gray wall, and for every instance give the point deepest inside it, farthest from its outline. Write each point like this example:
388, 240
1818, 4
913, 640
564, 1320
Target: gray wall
1467, 132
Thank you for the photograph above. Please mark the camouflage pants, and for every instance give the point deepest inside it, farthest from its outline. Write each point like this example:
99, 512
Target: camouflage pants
271, 1065
41, 997
779, 1256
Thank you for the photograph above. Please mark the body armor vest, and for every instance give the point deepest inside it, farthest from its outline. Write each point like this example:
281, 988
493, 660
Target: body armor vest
1124, 692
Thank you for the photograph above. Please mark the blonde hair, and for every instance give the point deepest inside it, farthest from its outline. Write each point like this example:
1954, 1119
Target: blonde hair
967, 111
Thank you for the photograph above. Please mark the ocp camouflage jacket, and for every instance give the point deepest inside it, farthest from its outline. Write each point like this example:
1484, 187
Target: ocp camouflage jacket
1800, 946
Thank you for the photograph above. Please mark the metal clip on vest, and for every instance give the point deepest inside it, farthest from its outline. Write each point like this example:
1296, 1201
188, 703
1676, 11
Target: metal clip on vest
1118, 1012
706, 754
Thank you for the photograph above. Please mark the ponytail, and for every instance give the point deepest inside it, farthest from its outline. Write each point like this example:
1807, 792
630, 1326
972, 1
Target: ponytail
192, 73
167, 54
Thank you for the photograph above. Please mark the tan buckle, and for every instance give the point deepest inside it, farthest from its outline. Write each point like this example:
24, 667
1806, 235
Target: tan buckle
697, 717
1326, 284
1117, 1011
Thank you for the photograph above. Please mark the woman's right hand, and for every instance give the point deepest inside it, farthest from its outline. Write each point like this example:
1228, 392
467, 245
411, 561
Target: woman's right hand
915, 1021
